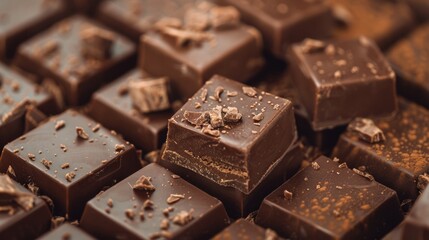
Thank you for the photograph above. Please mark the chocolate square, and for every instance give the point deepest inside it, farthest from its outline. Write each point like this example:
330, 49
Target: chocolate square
283, 22
171, 208
16, 93
70, 158
340, 80
22, 19
67, 232
410, 60
243, 229
147, 131
58, 53
330, 201
401, 158
233, 152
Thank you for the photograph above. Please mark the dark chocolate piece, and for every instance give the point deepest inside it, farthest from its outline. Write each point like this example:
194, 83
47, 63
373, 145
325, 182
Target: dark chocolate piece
22, 19
340, 80
66, 167
201, 145
67, 232
121, 212
383, 21
146, 131
330, 202
242, 229
421, 8
283, 22
149, 95
398, 161
22, 214
192, 56
61, 53
410, 59
16, 94
239, 203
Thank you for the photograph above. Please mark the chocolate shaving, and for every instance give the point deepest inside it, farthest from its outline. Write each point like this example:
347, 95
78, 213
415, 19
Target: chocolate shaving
367, 130
203, 95
63, 147
96, 128
224, 17
16, 110
210, 131
196, 118
130, 214
148, 204
11, 171
81, 133
183, 218
59, 124
315, 165
216, 120
46, 163
258, 117
48, 49
185, 37
70, 176
119, 148
165, 224
249, 91
363, 174
173, 198
96, 43
288, 195
65, 165
10, 193
312, 46
231, 94
144, 183
31, 156
217, 93
149, 95
231, 115
422, 181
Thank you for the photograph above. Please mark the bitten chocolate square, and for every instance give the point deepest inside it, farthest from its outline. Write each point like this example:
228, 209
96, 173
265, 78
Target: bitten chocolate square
230, 133
79, 54
340, 80
70, 159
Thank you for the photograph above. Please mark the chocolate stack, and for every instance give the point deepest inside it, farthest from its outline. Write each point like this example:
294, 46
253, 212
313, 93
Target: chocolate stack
209, 119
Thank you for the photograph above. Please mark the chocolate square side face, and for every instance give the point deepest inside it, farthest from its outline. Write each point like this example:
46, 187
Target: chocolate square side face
340, 80
416, 224
19, 223
242, 151
242, 229
398, 161
112, 106
383, 21
57, 54
67, 231
15, 89
70, 158
22, 19
410, 59
172, 209
283, 22
329, 201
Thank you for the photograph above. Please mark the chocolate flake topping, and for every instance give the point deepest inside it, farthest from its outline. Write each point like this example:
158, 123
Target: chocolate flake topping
203, 95
223, 17
144, 183
148, 204
173, 198
258, 117
288, 195
216, 119
231, 94
210, 131
422, 181
69, 176
48, 49
110, 203
315, 165
217, 93
249, 91
184, 37
367, 130
65, 165
312, 46
183, 218
46, 163
363, 174
130, 214
9, 193
96, 128
165, 224
149, 95
59, 124
119, 147
31, 156
231, 115
81, 133
16, 110
196, 118
96, 43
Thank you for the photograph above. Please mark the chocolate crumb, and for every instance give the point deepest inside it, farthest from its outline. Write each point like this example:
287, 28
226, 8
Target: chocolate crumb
196, 118
270, 234
216, 119
119, 147
57, 221
141, 214
69, 176
231, 115
203, 95
288, 195
183, 218
422, 181
81, 133
315, 165
367, 130
60, 124
173, 198
343, 165
312, 46
231, 94
11, 171
65, 165
96, 128
249, 91
110, 203
258, 117
363, 174
148, 204
130, 213
46, 163
63, 147
217, 93
209, 131
165, 224
144, 183
174, 176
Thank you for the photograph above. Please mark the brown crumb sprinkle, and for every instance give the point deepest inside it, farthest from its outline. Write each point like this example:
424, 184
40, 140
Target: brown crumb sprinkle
130, 214
144, 183
110, 203
69, 176
119, 147
173, 198
65, 165
148, 204
31, 156
96, 128
288, 195
249, 91
46, 163
183, 218
81, 133
165, 224
315, 165
60, 124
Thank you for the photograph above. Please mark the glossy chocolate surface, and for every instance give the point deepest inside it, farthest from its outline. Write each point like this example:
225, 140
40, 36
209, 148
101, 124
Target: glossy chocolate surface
208, 213
398, 161
22, 19
234, 157
56, 54
67, 167
330, 201
283, 22
14, 88
67, 232
242, 229
112, 106
340, 80
383, 21
410, 59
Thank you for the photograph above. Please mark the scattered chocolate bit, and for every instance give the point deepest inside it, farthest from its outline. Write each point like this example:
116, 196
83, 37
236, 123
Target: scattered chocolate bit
231, 115
343, 165
258, 117
422, 181
119, 148
222, 17
33, 188
288, 195
337, 74
196, 118
130, 213
217, 93
203, 95
149, 95
174, 176
270, 234
110, 203
367, 130
144, 183
363, 174
249, 91
57, 221
210, 131
183, 218
48, 49
9, 193
165, 224
96, 128
59, 124
11, 171
184, 37
141, 214
81, 133
65, 165
231, 94
216, 119
69, 176
46, 163
173, 198
312, 46
17, 109
63, 147
315, 165
96, 43
148, 204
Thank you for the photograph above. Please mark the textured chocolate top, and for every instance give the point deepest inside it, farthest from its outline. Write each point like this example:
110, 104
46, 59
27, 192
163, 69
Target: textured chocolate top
243, 229
67, 232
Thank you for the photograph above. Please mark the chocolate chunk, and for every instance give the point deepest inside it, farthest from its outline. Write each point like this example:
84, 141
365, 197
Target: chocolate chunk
81, 133
10, 193
183, 218
144, 183
59, 124
196, 118
65, 232
249, 91
312, 46
173, 198
70, 176
149, 95
224, 17
367, 130
288, 195
216, 119
17, 110
96, 43
231, 115
258, 117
